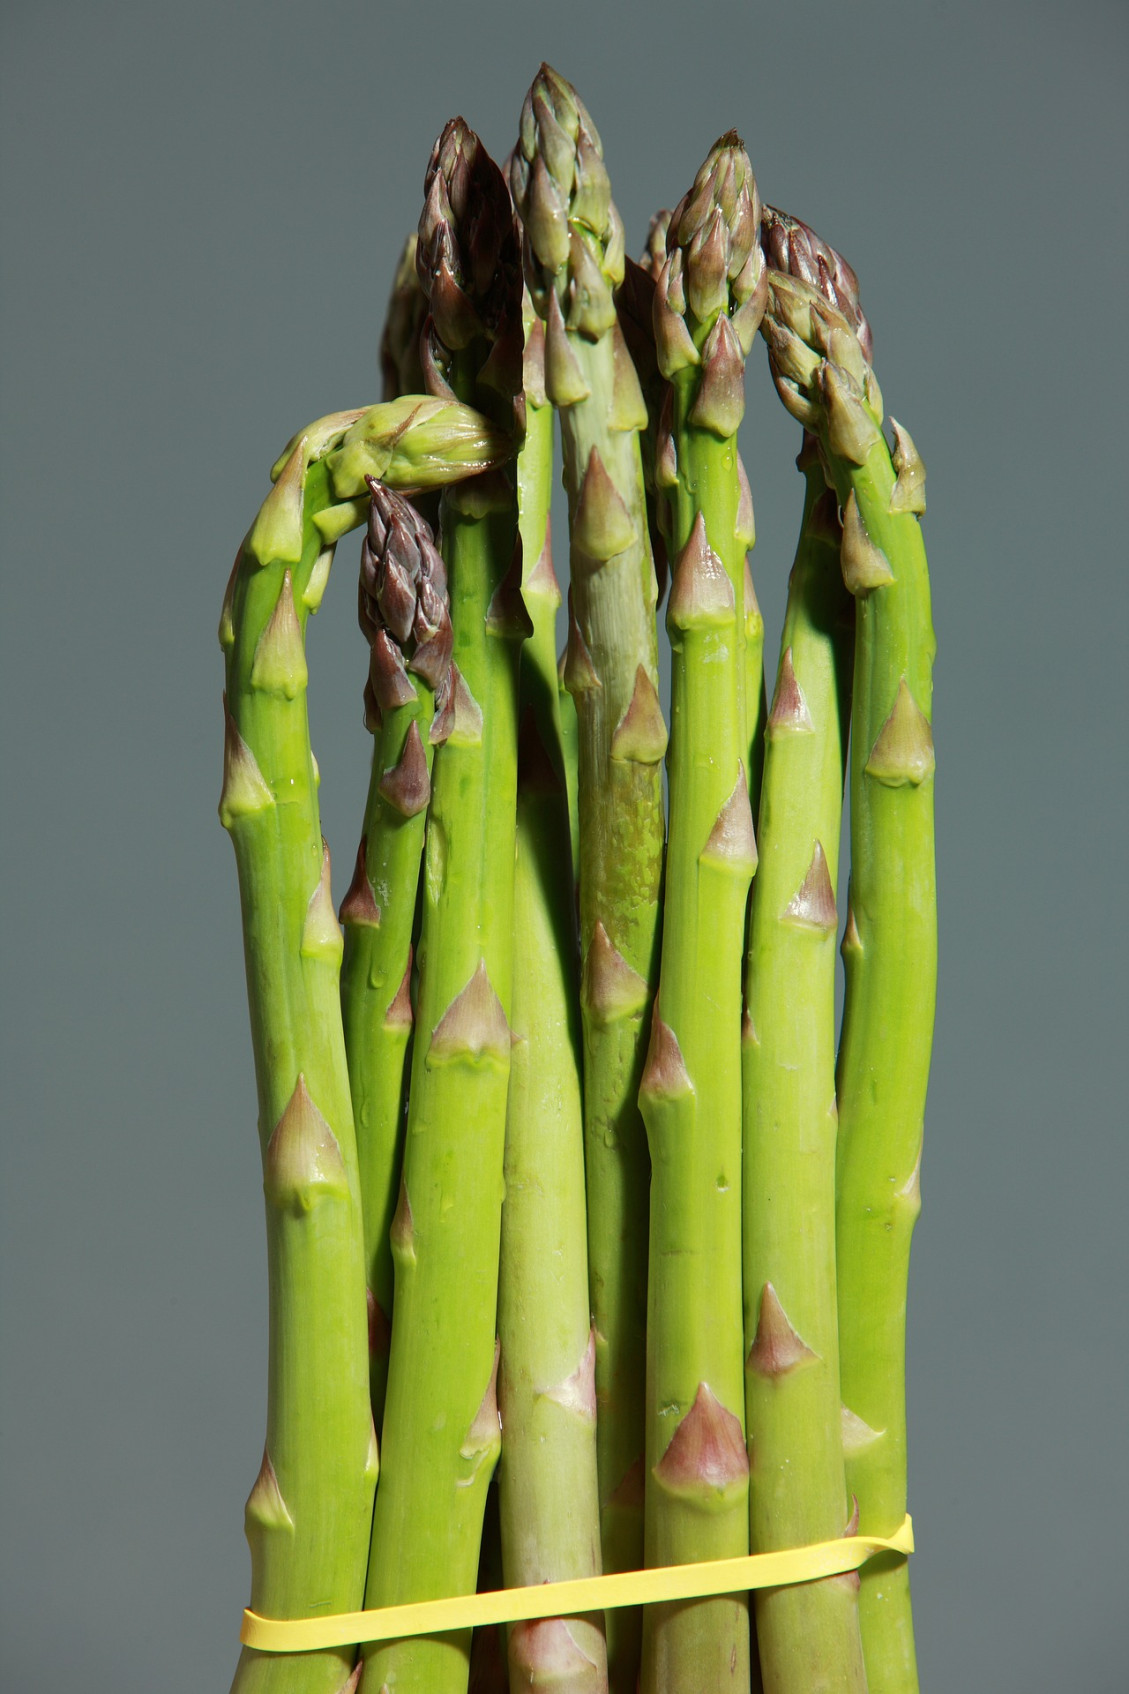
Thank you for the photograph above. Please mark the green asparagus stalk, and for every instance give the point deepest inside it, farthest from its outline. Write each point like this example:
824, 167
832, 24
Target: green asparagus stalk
403, 607
441, 1434
697, 1470
547, 1477
574, 260
308, 1513
807, 1635
819, 346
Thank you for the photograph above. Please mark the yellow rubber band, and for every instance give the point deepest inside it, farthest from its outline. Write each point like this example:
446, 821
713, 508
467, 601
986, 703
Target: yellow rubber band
567, 1599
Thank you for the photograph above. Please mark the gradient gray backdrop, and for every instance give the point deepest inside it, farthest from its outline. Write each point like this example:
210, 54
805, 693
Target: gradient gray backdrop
202, 208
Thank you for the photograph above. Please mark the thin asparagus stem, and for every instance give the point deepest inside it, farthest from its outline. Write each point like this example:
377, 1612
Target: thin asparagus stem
574, 259
404, 616
697, 1470
441, 1431
547, 1393
308, 1513
807, 1635
819, 347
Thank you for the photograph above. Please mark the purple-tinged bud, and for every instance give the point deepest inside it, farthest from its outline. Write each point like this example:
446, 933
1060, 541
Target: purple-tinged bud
719, 404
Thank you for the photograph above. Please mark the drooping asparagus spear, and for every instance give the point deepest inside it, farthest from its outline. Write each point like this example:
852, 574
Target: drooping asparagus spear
574, 259
308, 1513
403, 614
819, 346
441, 1433
547, 1478
697, 1470
807, 1635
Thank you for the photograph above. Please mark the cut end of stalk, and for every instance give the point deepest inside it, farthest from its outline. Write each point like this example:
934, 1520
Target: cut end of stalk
359, 905
777, 1349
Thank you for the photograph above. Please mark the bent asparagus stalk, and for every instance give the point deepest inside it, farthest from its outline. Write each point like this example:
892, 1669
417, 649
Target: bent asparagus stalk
697, 1469
547, 1395
819, 346
574, 260
403, 614
808, 1634
441, 1434
308, 1513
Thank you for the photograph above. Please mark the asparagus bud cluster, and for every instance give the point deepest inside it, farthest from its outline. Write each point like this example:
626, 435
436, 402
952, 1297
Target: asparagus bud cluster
569, 1173
402, 606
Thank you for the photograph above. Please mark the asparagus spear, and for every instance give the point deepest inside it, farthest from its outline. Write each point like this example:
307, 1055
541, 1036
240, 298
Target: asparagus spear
807, 1635
403, 614
441, 1433
574, 259
308, 1513
547, 1478
819, 346
697, 1469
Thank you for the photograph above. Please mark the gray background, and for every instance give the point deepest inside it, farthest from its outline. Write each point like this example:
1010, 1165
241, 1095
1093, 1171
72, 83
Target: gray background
202, 208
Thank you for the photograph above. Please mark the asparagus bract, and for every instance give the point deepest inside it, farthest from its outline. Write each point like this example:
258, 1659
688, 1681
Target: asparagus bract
807, 1635
307, 1516
819, 347
547, 1393
441, 1434
404, 617
697, 1469
574, 260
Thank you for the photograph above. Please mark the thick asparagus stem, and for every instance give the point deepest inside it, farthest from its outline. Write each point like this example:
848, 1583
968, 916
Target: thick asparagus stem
574, 259
403, 606
697, 1470
807, 1635
819, 346
441, 1434
547, 1393
307, 1516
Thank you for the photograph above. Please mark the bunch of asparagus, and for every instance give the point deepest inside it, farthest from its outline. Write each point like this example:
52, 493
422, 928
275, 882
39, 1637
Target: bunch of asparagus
568, 1184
